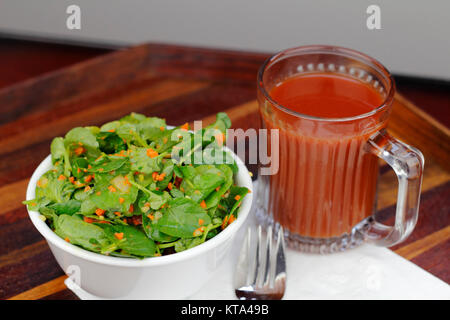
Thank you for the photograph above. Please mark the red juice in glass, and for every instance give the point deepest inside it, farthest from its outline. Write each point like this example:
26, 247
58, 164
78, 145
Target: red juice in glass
313, 193
329, 107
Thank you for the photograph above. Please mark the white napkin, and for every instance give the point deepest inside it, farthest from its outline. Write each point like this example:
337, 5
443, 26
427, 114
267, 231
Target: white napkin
366, 272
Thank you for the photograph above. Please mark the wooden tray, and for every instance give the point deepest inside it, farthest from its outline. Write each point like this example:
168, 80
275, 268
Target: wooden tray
180, 84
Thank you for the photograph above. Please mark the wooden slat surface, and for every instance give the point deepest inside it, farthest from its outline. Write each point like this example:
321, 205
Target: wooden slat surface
180, 84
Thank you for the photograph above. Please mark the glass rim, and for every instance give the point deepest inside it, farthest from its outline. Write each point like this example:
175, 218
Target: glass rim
336, 50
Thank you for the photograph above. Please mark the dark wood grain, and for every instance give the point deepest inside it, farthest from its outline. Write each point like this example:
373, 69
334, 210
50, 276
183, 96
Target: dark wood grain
421, 130
22, 60
180, 84
436, 260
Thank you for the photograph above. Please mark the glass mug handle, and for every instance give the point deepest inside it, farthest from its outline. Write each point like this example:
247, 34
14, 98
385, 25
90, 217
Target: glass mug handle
407, 162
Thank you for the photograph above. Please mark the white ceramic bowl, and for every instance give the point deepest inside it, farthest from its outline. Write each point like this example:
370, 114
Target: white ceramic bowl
174, 276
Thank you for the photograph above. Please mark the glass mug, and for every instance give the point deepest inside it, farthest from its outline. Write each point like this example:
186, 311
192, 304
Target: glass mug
324, 190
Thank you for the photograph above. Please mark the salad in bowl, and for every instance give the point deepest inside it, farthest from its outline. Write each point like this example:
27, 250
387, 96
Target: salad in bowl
137, 188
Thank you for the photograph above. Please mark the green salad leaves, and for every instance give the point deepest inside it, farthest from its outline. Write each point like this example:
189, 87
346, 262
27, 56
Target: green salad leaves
135, 188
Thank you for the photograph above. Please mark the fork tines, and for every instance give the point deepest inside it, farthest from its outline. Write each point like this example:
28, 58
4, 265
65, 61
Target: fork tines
261, 268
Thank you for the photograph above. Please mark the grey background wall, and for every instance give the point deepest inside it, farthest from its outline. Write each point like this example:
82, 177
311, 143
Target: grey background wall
414, 39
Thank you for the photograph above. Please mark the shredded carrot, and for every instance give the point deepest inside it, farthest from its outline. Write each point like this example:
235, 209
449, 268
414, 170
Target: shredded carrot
88, 220
231, 219
224, 222
151, 153
218, 188
131, 209
39, 184
118, 235
98, 193
99, 212
112, 130
88, 178
78, 184
169, 186
87, 188
150, 216
185, 127
237, 198
117, 213
203, 204
121, 200
127, 182
78, 170
160, 177
112, 189
62, 177
201, 221
220, 138
71, 179
79, 151
162, 128
197, 232
67, 239
155, 175
89, 166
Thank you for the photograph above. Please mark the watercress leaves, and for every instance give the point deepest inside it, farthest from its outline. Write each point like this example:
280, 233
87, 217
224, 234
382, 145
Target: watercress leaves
150, 226
143, 160
133, 188
54, 187
182, 217
131, 240
69, 207
58, 150
234, 199
199, 182
82, 141
78, 232
117, 195
213, 198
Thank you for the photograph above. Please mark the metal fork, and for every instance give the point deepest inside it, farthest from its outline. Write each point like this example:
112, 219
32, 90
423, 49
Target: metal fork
261, 269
